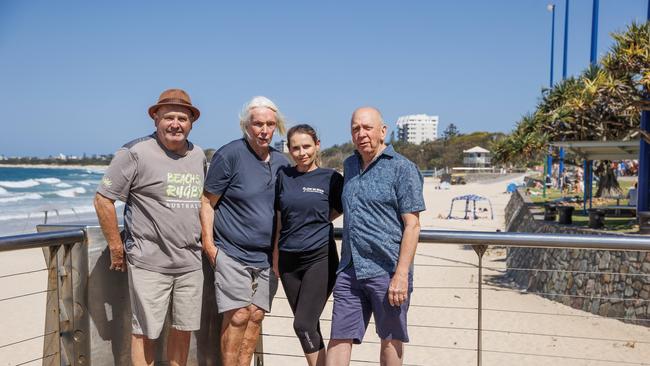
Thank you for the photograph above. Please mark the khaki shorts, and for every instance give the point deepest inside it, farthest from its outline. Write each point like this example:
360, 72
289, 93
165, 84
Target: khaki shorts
150, 293
238, 285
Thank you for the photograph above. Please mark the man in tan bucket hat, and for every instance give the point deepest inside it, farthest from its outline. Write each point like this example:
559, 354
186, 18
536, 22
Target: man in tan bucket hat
160, 179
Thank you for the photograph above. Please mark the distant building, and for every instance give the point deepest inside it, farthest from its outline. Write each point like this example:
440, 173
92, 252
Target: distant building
281, 146
476, 157
417, 128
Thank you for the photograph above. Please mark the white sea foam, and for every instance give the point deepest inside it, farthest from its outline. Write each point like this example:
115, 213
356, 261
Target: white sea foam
3, 191
48, 180
22, 197
27, 183
63, 185
88, 182
52, 213
72, 192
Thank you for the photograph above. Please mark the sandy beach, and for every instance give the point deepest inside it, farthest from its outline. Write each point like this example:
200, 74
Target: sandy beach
518, 329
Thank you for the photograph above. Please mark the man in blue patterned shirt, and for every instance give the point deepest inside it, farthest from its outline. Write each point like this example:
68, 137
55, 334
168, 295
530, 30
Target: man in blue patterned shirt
382, 199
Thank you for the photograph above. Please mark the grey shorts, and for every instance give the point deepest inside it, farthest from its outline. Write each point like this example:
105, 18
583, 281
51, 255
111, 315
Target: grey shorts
150, 293
238, 285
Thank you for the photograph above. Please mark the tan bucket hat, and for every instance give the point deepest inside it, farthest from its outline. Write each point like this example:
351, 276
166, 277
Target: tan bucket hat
175, 97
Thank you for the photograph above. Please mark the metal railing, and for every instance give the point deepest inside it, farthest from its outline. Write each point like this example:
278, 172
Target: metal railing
480, 242
67, 337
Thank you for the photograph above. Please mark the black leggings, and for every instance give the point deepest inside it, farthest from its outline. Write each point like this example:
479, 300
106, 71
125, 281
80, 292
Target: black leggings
308, 279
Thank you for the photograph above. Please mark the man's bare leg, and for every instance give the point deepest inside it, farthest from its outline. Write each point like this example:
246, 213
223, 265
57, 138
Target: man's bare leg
392, 353
178, 346
250, 337
141, 350
339, 352
233, 328
316, 358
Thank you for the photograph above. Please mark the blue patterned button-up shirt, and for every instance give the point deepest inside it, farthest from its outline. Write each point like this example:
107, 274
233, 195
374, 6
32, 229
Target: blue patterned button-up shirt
373, 203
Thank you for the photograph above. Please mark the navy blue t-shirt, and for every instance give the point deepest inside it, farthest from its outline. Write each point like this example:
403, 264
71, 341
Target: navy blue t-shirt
304, 201
244, 216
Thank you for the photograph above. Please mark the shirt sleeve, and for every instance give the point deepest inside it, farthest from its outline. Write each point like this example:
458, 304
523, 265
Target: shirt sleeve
336, 189
119, 176
219, 175
409, 190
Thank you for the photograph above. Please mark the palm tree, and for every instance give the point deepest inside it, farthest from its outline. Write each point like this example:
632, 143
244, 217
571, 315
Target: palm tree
601, 104
629, 57
524, 144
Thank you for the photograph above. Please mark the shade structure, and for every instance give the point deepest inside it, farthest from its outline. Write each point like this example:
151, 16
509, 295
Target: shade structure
470, 198
589, 151
602, 150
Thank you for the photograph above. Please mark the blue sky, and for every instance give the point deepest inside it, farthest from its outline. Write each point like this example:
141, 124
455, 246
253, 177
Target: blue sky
78, 76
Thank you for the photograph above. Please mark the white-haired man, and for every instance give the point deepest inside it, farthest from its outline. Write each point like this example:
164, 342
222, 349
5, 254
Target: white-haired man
160, 177
237, 216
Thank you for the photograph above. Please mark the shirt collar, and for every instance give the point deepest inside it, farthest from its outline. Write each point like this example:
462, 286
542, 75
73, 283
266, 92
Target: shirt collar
389, 151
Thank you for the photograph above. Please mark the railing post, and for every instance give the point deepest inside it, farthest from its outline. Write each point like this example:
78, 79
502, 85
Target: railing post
52, 341
79, 273
480, 250
66, 311
67, 322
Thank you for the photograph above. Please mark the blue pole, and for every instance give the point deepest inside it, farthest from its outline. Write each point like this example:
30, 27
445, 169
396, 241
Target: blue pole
590, 165
643, 198
643, 201
564, 69
566, 38
549, 163
549, 157
594, 33
585, 192
552, 42
560, 182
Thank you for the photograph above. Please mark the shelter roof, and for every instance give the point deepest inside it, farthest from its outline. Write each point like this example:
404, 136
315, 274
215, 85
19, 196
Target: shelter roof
476, 149
470, 197
602, 150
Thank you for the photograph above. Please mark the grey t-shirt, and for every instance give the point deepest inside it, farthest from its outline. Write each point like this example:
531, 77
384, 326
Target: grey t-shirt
162, 191
244, 216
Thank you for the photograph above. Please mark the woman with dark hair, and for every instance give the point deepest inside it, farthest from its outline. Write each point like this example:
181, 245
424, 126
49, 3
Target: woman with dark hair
307, 199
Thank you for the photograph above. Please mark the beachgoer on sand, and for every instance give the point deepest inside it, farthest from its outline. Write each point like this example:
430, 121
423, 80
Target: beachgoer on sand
382, 198
307, 199
160, 178
237, 217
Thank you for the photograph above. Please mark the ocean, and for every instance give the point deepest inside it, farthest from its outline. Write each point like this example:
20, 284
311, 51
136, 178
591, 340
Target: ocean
26, 194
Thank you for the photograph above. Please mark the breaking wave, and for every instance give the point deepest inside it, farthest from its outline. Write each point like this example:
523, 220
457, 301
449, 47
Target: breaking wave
72, 192
22, 197
28, 183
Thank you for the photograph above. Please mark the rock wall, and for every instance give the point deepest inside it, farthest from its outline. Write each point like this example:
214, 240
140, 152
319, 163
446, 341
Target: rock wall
607, 283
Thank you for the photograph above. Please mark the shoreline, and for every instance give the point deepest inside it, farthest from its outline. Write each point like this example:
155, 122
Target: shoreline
54, 166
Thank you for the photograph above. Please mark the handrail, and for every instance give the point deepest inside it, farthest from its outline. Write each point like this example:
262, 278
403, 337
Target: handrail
509, 239
41, 240
545, 240
61, 264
